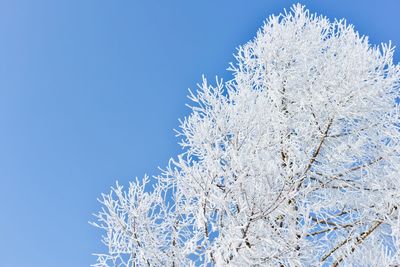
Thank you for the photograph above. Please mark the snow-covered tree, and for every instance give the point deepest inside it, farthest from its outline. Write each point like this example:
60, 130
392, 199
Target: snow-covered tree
294, 162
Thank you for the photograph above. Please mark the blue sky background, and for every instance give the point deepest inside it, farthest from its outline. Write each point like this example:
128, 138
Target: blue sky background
90, 91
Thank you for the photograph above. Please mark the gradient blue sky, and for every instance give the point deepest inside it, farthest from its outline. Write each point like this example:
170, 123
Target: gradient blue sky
90, 91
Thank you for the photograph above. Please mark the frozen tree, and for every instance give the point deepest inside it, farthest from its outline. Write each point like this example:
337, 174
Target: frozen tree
294, 162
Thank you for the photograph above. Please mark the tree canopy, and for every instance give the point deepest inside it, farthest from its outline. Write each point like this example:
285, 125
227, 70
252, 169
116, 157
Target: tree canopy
293, 162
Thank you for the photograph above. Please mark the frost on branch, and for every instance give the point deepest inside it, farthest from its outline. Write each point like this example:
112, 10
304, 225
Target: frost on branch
294, 162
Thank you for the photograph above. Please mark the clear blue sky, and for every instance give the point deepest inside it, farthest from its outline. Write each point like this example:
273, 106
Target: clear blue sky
90, 91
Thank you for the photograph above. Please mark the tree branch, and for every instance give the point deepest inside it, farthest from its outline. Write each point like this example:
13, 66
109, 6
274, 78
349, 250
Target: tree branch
359, 240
